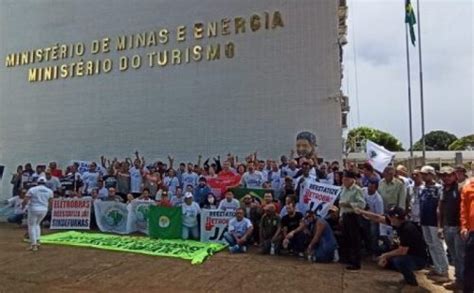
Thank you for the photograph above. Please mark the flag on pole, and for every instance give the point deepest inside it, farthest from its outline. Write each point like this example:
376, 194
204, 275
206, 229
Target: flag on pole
410, 20
378, 156
164, 222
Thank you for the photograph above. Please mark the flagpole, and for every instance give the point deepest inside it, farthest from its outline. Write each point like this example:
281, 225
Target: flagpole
421, 82
409, 91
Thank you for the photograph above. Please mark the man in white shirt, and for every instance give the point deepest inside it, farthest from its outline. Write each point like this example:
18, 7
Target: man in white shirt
136, 178
39, 199
252, 178
239, 232
375, 204
191, 212
52, 182
18, 209
90, 178
189, 177
229, 203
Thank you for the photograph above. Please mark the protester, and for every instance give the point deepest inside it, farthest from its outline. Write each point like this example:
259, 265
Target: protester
19, 211
171, 181
191, 211
392, 190
415, 196
375, 205
351, 197
239, 231
38, 199
467, 233
449, 225
269, 230
411, 254
292, 226
112, 196
430, 194
90, 178
53, 182
323, 245
201, 191
461, 174
136, 176
229, 203
16, 181
210, 202
177, 199
252, 178
189, 177
164, 200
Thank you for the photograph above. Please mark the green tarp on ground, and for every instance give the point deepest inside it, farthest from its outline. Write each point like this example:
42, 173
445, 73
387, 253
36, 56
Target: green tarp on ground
194, 251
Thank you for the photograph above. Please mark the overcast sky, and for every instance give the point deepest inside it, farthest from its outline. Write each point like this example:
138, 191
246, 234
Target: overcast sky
377, 39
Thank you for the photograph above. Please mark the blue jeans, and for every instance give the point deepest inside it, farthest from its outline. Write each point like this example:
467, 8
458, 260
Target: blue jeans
436, 248
15, 219
324, 251
190, 232
456, 246
229, 238
406, 264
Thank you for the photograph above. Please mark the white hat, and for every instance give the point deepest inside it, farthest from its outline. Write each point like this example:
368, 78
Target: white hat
428, 170
188, 195
41, 180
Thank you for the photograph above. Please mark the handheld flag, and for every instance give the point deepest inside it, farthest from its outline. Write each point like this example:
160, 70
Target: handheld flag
378, 156
410, 20
164, 222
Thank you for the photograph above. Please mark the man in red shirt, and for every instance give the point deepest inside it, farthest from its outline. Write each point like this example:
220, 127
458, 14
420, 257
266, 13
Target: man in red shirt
467, 233
54, 170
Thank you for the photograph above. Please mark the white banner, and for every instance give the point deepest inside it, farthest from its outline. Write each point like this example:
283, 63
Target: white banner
111, 216
84, 166
71, 213
138, 216
319, 197
214, 224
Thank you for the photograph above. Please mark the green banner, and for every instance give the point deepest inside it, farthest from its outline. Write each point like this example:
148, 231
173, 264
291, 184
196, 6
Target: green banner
195, 251
165, 223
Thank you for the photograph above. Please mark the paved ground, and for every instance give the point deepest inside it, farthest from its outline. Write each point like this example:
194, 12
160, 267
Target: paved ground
70, 269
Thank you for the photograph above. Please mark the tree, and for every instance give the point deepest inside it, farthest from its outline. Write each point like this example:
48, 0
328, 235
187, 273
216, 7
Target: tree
463, 143
357, 135
437, 140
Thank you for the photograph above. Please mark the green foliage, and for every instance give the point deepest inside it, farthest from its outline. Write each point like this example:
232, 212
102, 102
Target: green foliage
382, 138
463, 143
437, 140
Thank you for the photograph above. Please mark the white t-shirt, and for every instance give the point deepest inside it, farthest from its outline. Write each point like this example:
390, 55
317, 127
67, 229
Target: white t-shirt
39, 198
135, 180
54, 184
253, 180
172, 183
90, 180
239, 227
16, 203
374, 201
229, 206
189, 179
190, 214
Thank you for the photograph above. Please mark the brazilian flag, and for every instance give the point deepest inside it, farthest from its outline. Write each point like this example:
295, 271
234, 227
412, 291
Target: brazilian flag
164, 222
410, 20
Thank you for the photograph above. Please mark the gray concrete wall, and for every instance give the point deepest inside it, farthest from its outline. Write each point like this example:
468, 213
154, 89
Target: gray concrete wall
277, 84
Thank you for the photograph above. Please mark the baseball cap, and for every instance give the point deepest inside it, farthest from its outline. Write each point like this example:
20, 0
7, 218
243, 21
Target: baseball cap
41, 180
428, 170
188, 195
446, 170
397, 212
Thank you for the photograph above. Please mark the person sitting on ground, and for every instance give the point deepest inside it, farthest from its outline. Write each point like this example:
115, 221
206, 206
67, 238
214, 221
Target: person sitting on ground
269, 229
322, 246
191, 211
18, 210
239, 231
411, 254
292, 226
229, 203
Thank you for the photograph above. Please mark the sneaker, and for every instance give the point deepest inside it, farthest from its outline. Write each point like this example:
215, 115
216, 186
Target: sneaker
336, 256
440, 278
234, 249
244, 248
453, 286
301, 254
353, 268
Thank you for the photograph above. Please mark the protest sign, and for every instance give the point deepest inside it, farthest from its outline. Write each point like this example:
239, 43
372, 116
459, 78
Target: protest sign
111, 216
194, 251
138, 216
214, 224
71, 213
319, 197
84, 166
164, 222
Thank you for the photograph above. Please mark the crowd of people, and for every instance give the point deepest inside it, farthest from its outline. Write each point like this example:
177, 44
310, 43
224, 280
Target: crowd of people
399, 220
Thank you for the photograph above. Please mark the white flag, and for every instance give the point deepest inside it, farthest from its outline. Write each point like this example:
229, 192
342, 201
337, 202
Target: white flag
378, 156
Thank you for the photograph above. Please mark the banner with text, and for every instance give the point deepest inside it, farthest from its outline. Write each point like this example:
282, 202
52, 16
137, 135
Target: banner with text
214, 225
71, 213
319, 197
